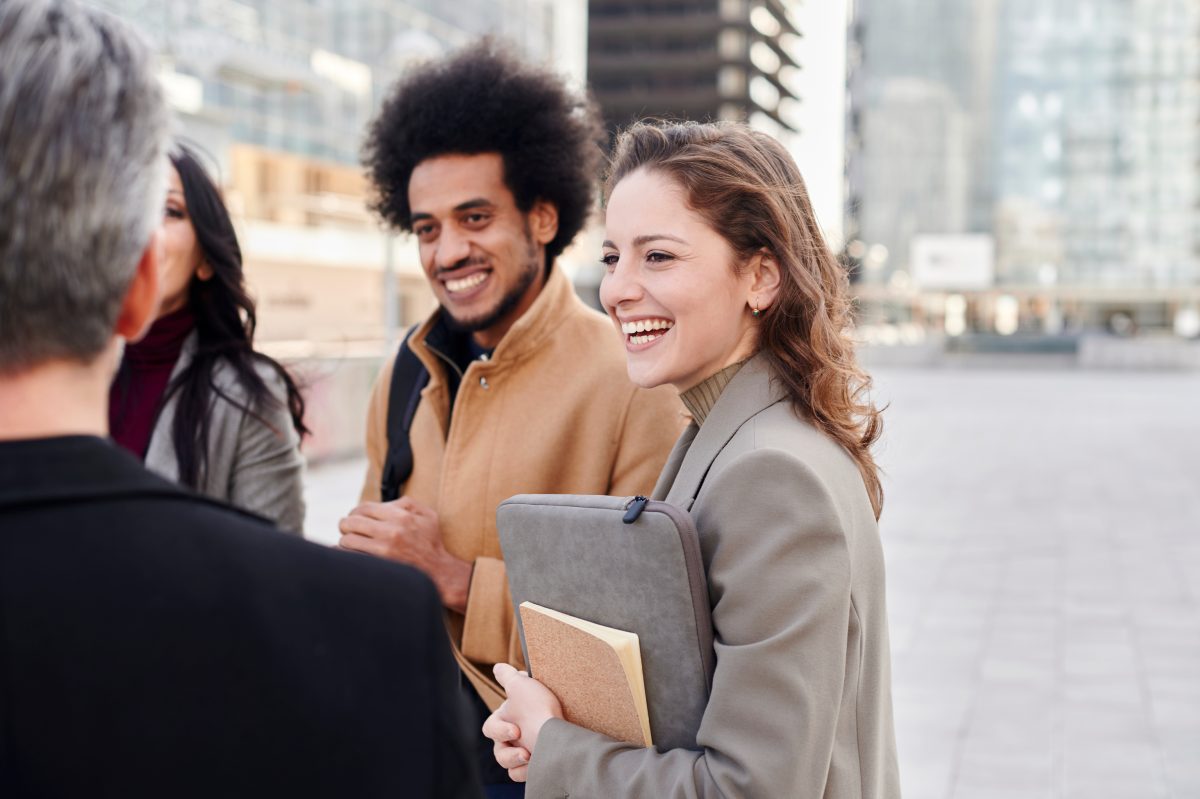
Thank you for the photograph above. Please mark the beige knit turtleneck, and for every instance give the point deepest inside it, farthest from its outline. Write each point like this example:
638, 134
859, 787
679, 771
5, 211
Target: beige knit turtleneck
700, 398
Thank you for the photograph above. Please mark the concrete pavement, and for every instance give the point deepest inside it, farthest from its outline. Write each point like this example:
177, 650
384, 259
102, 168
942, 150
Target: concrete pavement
1043, 539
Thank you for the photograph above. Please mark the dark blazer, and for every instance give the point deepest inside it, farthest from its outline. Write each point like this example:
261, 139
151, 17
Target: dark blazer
156, 643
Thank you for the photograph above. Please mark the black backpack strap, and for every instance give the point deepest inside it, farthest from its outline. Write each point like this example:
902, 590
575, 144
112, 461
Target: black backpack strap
409, 376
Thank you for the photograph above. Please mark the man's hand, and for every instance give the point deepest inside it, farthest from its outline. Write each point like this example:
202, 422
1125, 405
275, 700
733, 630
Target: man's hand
408, 532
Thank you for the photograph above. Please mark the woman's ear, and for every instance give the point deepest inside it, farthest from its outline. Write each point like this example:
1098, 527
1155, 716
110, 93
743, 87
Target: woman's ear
543, 222
766, 274
204, 271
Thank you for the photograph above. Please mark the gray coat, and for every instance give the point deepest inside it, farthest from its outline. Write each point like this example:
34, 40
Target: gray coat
801, 703
252, 466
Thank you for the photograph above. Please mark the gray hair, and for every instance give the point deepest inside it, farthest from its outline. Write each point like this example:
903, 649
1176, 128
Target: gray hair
84, 132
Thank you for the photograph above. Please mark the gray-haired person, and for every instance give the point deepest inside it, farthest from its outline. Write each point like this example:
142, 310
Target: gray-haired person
154, 642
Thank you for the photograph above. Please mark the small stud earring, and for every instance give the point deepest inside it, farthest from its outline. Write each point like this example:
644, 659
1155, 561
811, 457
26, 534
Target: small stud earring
754, 310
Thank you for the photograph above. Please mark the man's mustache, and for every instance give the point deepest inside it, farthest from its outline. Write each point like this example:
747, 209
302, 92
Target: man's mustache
474, 260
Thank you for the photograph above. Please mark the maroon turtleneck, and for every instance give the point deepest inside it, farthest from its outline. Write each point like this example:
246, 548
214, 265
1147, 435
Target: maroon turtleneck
145, 370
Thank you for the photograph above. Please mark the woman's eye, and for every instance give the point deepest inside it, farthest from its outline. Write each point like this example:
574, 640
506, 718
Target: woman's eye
174, 213
609, 260
659, 257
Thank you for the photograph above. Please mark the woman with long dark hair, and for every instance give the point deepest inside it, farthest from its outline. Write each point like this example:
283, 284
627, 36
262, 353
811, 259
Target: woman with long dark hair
193, 398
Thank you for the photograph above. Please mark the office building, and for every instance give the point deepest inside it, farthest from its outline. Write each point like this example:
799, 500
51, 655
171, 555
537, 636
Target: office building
1064, 130
695, 59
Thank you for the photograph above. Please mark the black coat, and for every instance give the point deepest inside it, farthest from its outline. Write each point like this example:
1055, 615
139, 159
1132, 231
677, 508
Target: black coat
155, 643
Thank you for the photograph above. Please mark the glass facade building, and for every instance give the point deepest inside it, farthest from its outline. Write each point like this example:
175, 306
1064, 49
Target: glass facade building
1065, 131
917, 154
1098, 178
303, 76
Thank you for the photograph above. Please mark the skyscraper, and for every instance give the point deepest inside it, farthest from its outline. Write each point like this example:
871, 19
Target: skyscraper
1064, 129
1098, 142
917, 158
695, 59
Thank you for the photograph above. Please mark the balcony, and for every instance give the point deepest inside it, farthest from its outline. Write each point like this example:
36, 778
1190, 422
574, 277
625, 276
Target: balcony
639, 23
649, 60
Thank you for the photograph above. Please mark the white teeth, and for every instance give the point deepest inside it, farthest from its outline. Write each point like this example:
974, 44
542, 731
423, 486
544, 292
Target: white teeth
646, 325
646, 339
464, 283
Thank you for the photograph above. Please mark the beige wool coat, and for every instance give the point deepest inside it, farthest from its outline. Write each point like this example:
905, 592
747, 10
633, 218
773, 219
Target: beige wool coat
801, 703
551, 412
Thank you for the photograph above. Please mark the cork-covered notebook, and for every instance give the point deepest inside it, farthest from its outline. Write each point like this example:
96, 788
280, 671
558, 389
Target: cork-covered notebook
595, 671
630, 564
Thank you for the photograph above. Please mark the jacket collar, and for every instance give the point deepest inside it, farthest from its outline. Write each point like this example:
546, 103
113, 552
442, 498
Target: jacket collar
554, 302
186, 354
751, 391
51, 470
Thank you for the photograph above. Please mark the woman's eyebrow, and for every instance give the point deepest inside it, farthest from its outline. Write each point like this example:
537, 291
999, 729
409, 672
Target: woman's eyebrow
640, 240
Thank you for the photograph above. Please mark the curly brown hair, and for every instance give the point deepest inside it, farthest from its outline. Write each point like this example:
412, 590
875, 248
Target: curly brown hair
485, 99
748, 188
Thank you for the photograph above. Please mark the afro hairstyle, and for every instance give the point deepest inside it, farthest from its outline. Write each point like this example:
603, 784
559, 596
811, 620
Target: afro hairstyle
484, 99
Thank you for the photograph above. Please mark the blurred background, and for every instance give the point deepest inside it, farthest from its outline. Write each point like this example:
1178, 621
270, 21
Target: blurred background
1014, 186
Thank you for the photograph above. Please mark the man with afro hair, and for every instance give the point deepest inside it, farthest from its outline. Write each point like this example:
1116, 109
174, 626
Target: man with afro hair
513, 385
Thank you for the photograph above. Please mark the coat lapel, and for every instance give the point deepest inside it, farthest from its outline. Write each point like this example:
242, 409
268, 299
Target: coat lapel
160, 452
667, 476
751, 391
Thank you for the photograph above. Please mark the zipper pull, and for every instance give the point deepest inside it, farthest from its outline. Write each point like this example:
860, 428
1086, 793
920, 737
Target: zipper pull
634, 509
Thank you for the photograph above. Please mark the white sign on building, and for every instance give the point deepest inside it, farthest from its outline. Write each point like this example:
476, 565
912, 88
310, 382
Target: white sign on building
957, 262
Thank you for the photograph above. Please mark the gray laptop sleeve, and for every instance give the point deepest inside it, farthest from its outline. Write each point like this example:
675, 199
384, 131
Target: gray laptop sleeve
627, 563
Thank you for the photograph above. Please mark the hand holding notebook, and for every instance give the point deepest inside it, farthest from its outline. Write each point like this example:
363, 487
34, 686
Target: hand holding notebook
593, 670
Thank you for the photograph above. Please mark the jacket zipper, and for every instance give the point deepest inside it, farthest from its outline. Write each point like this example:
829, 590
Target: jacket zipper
634, 509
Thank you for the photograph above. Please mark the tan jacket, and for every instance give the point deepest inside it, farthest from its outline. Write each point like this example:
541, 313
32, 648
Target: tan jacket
801, 703
551, 412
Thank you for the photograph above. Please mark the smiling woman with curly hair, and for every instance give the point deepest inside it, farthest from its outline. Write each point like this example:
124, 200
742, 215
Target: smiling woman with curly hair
719, 284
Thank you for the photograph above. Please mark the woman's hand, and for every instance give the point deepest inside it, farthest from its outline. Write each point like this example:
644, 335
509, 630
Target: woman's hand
507, 748
515, 725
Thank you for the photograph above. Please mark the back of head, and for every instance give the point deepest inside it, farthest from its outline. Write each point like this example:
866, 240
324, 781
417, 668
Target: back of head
749, 190
83, 140
486, 100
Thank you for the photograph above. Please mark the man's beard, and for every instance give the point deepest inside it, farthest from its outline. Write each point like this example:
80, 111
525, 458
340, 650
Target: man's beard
512, 298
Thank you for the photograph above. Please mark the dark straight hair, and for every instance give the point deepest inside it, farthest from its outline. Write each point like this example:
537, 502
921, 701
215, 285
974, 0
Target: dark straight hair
225, 323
